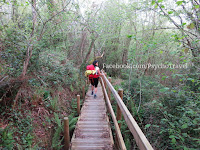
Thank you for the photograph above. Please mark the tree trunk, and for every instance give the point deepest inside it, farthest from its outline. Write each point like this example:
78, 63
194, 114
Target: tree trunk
82, 46
89, 51
29, 50
125, 51
14, 11
30, 46
53, 6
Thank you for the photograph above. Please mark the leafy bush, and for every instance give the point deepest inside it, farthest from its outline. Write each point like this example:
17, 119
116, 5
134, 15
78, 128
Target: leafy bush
6, 138
169, 116
20, 126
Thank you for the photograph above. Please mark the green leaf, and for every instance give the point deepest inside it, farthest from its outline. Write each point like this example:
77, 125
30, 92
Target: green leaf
163, 77
170, 12
129, 36
191, 26
165, 89
179, 3
153, 2
161, 52
190, 79
173, 140
156, 6
196, 6
185, 148
162, 6
183, 24
73, 121
185, 134
147, 126
57, 120
159, 1
184, 126
154, 101
194, 121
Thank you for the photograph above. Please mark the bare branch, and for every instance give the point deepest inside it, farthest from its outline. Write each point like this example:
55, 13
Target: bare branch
38, 14
197, 2
3, 78
45, 23
179, 27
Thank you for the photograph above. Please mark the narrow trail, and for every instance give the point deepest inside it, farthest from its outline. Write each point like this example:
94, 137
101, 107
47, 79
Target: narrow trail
93, 130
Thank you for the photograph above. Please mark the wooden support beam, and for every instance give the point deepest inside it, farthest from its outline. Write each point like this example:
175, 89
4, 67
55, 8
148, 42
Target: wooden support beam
105, 81
78, 105
66, 134
109, 91
119, 113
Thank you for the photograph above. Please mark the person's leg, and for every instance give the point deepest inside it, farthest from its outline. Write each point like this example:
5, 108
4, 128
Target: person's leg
92, 83
92, 90
95, 84
95, 90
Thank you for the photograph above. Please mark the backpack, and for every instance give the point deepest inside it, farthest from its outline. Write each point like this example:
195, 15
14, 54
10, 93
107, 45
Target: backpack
90, 71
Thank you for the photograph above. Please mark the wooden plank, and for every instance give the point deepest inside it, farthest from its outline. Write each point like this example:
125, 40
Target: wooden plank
86, 147
139, 136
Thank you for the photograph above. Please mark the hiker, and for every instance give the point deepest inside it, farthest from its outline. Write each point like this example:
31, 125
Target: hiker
94, 79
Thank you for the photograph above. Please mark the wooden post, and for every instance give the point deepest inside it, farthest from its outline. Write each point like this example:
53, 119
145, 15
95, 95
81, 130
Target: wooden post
83, 90
78, 104
119, 114
105, 80
109, 91
66, 133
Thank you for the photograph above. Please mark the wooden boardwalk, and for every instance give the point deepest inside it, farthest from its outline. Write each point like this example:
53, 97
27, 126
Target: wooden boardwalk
92, 130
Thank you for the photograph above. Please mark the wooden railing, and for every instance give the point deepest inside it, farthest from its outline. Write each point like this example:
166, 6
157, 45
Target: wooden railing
118, 132
139, 136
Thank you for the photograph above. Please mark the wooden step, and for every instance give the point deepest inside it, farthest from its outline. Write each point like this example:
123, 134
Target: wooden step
93, 129
92, 135
92, 119
96, 147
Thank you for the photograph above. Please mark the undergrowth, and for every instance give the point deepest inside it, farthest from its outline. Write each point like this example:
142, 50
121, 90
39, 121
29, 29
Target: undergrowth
45, 98
168, 115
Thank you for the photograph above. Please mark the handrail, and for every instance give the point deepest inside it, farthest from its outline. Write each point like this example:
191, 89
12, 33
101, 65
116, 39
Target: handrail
139, 136
118, 132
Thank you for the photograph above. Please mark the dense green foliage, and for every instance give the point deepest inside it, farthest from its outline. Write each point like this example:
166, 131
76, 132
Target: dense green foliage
170, 115
45, 46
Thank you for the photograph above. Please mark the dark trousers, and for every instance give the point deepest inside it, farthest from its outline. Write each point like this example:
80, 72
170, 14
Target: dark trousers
94, 81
